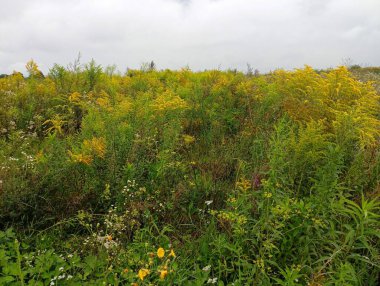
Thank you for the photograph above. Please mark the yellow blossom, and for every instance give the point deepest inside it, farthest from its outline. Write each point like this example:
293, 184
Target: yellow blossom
96, 145
75, 97
142, 273
80, 158
243, 185
163, 274
103, 102
160, 252
169, 102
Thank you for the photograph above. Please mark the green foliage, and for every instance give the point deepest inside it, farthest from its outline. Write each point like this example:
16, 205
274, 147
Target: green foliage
189, 178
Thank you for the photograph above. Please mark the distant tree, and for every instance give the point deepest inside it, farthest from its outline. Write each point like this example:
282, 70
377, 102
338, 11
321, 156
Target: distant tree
3, 75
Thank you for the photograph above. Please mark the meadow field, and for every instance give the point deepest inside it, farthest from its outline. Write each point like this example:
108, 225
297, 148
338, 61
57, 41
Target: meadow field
175, 177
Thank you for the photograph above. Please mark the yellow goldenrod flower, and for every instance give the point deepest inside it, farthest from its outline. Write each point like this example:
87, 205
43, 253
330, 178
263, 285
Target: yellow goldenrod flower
163, 274
80, 158
169, 102
103, 102
243, 184
74, 97
96, 146
160, 252
142, 273
109, 237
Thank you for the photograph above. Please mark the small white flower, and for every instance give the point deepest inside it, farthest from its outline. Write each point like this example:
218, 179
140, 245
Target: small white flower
206, 268
61, 269
212, 280
208, 202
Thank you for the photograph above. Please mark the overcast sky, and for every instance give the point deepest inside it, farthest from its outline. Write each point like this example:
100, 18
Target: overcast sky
202, 34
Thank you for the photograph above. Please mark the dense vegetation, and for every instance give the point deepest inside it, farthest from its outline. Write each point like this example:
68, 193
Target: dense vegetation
188, 178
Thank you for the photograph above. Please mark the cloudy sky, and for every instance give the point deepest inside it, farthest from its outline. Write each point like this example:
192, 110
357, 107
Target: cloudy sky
202, 34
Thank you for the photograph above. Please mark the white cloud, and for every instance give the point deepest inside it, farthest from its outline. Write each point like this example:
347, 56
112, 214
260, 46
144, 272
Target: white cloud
200, 33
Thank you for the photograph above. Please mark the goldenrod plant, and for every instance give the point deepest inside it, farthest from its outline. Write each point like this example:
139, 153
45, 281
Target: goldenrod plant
175, 177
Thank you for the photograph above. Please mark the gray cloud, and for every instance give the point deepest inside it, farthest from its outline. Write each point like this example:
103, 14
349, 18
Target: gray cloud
203, 34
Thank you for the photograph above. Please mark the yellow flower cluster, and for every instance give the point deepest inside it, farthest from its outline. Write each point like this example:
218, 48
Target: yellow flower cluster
336, 98
75, 97
80, 158
143, 272
169, 102
231, 218
267, 195
96, 146
243, 185
103, 100
32, 68
162, 270
93, 147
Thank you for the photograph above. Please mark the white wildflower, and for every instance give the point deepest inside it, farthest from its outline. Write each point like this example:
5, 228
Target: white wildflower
206, 268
